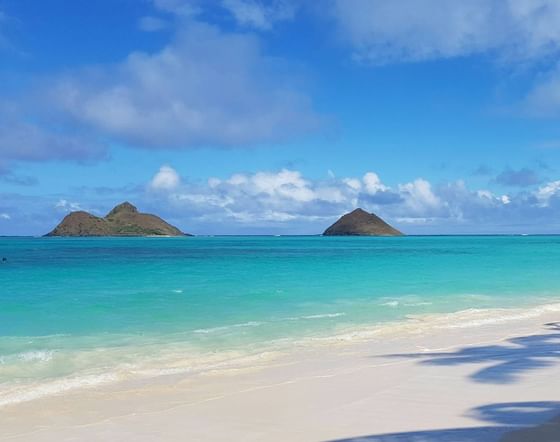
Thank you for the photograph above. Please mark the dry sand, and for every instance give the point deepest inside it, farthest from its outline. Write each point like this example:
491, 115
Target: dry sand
491, 382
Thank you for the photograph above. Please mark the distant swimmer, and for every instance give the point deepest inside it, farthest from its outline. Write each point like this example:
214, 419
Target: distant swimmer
4, 259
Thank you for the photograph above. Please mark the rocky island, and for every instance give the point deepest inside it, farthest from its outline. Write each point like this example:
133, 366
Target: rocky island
123, 220
361, 223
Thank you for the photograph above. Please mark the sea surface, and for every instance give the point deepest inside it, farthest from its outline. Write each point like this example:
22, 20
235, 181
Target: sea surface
80, 312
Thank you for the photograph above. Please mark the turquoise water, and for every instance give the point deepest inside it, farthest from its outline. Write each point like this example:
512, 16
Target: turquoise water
84, 311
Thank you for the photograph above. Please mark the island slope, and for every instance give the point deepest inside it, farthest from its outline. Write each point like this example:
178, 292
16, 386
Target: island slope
123, 220
361, 223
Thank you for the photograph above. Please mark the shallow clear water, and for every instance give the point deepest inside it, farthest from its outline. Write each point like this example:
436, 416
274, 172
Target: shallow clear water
77, 311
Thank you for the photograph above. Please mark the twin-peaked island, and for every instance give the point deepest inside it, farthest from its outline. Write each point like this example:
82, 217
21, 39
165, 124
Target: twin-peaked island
125, 220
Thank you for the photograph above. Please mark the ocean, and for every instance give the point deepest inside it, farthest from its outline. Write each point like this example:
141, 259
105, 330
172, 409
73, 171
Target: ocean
81, 312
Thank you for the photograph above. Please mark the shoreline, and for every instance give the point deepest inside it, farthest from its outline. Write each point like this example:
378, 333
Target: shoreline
181, 361
420, 379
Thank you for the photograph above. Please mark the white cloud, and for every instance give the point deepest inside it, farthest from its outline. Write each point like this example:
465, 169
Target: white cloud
546, 192
373, 183
205, 88
353, 183
286, 201
259, 15
165, 179
286, 184
419, 197
5, 216
214, 182
413, 30
67, 206
286, 198
237, 179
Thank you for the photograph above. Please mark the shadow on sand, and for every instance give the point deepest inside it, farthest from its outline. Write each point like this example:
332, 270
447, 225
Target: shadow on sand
511, 422
506, 362
506, 422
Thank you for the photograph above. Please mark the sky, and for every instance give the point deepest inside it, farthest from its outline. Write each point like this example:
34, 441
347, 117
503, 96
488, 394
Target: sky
276, 117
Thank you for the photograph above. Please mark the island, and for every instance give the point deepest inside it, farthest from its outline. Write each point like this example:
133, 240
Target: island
361, 223
123, 220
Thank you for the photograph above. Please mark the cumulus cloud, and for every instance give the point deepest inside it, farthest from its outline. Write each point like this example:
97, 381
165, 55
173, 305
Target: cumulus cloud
384, 31
547, 193
286, 201
258, 14
524, 177
67, 206
373, 184
205, 88
419, 197
165, 179
513, 32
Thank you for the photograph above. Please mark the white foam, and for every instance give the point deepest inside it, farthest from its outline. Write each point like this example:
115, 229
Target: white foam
390, 304
176, 359
227, 327
325, 315
423, 322
417, 304
39, 355
477, 317
30, 393
317, 316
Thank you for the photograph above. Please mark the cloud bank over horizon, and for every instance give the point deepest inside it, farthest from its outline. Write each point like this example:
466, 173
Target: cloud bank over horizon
286, 202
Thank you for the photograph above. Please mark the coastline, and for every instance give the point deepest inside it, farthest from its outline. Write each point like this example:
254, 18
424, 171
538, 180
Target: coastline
421, 377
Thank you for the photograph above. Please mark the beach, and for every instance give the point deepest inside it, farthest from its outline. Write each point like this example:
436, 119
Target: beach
472, 383
278, 338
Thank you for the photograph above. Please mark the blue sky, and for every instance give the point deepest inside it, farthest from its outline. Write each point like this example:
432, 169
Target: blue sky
247, 116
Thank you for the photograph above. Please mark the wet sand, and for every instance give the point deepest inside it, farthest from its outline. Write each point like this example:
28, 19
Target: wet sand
491, 382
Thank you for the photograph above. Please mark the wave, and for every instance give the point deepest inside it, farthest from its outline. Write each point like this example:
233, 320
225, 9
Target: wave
33, 392
477, 317
227, 327
421, 323
317, 316
28, 356
259, 323
390, 304
405, 301
173, 358
172, 364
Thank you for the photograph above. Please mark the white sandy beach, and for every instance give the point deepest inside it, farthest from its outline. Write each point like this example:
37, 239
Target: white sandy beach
489, 382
